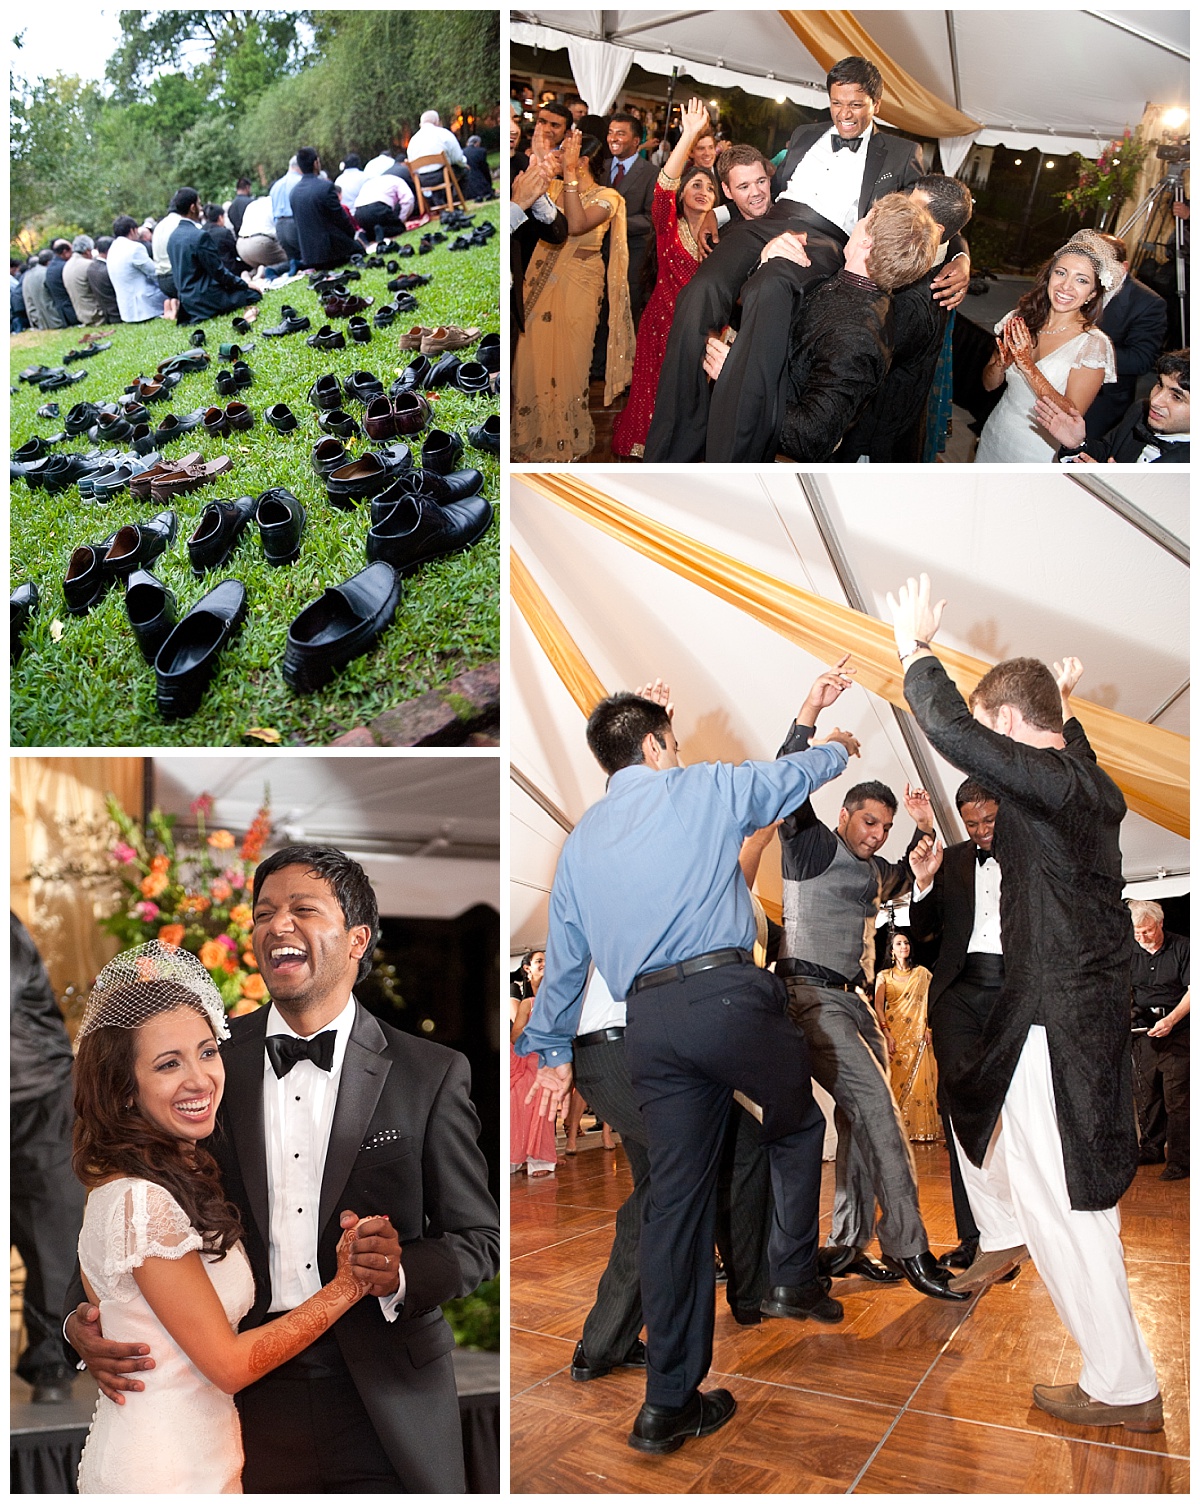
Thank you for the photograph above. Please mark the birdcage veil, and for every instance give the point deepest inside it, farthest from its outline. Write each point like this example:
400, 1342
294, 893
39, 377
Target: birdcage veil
133, 987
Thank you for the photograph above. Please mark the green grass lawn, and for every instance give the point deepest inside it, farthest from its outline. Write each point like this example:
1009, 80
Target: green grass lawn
81, 681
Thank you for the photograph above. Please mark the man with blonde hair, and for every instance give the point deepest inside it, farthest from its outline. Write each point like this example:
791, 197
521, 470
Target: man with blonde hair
1162, 1007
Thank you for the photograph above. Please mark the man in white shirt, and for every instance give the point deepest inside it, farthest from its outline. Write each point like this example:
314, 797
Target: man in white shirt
257, 243
429, 139
131, 271
328, 1111
349, 180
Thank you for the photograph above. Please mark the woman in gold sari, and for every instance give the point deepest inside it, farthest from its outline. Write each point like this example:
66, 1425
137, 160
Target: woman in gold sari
564, 289
901, 1001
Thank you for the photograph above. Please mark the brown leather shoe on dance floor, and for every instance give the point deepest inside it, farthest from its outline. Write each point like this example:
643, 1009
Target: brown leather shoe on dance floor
1068, 1402
990, 1267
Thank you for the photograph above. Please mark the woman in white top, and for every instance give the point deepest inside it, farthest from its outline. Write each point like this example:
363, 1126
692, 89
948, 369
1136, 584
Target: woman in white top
160, 1250
1048, 347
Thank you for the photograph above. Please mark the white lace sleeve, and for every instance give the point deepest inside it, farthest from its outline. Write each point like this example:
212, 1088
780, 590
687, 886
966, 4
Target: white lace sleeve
1098, 353
126, 1223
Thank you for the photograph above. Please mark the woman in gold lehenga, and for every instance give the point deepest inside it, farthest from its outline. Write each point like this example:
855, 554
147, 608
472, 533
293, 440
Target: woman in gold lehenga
564, 289
901, 1000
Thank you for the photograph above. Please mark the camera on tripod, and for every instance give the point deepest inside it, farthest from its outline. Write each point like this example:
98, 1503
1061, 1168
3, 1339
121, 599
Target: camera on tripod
1173, 151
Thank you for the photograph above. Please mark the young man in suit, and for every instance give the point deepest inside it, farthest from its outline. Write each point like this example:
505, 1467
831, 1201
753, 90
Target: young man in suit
826, 184
1157, 430
1135, 319
960, 912
633, 178
322, 225
326, 1110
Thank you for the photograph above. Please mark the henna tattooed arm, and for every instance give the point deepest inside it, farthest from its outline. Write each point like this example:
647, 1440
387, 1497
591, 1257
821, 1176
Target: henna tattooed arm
182, 1296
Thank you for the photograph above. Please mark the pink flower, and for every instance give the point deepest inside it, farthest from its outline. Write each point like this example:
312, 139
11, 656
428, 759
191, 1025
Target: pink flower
202, 806
122, 852
227, 943
146, 911
221, 890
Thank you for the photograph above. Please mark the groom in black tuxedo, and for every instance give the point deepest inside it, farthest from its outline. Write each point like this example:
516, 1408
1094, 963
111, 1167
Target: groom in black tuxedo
327, 1111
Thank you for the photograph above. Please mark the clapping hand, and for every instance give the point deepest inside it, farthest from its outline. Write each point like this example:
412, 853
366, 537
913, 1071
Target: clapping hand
528, 186
1017, 338
570, 155
924, 860
1067, 675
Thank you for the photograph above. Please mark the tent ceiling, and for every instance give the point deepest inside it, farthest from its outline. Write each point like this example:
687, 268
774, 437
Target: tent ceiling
1030, 564
427, 829
1062, 80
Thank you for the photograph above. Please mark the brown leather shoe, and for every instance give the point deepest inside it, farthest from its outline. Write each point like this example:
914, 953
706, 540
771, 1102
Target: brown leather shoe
412, 340
140, 485
1068, 1402
177, 482
448, 337
990, 1267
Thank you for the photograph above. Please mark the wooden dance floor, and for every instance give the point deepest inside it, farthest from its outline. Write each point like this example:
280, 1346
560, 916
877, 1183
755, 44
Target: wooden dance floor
908, 1395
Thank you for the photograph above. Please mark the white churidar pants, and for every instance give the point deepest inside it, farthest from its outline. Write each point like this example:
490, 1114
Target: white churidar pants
1020, 1196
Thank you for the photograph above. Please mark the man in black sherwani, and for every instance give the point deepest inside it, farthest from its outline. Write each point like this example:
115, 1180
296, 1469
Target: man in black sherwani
1044, 1111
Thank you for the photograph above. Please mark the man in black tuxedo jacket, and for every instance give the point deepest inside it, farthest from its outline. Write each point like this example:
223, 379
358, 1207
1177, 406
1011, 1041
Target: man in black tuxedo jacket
1154, 431
961, 912
826, 184
328, 1111
1136, 322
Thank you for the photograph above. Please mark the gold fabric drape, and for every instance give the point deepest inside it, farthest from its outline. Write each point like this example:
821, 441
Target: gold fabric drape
1149, 765
553, 638
831, 35
57, 820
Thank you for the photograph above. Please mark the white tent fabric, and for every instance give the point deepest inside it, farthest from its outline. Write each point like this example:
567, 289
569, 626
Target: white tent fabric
1057, 81
955, 151
1030, 564
598, 71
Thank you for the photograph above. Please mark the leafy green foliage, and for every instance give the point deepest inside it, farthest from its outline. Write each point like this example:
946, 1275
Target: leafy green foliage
475, 1319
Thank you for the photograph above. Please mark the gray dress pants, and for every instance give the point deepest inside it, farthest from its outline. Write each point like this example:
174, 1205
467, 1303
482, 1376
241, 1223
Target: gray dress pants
874, 1162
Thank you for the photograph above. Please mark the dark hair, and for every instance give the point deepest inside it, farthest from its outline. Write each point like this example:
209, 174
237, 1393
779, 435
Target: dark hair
104, 244
1117, 244
593, 152
740, 156
212, 213
112, 1138
1034, 305
970, 791
122, 226
350, 884
649, 273
574, 99
950, 201
243, 183
873, 790
527, 958
898, 934
1028, 686
552, 107
856, 70
631, 120
1176, 363
183, 201
618, 726
306, 158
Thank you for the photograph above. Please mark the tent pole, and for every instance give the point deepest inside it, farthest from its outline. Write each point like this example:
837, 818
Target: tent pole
953, 58
1136, 31
1144, 523
917, 748
1168, 702
543, 802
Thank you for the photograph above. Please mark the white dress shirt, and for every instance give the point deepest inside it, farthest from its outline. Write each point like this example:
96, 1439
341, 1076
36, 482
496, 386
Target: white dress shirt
257, 219
428, 140
985, 933
600, 1009
830, 182
297, 1119
1152, 452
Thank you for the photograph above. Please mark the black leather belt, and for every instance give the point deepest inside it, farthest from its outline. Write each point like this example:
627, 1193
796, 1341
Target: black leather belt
599, 1036
983, 969
709, 961
793, 970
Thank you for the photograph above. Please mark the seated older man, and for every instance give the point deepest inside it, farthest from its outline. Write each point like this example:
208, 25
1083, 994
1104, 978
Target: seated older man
134, 279
75, 282
101, 283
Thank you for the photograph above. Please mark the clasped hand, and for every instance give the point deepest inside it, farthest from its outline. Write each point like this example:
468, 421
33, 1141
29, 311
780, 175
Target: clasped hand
373, 1254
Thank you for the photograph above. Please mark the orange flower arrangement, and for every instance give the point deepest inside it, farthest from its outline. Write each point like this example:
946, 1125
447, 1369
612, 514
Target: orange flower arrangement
171, 934
221, 840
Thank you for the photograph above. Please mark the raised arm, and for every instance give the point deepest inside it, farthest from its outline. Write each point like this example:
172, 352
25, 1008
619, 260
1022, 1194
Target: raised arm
579, 219
694, 119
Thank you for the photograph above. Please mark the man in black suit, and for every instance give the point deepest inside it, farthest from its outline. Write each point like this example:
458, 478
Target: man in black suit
1136, 322
328, 1111
205, 287
325, 233
961, 913
827, 183
1154, 431
633, 178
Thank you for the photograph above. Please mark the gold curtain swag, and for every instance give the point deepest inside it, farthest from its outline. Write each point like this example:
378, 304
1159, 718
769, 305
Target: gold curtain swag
831, 35
1148, 764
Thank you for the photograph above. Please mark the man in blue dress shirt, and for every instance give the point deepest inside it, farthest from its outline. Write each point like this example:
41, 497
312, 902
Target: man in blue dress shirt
648, 885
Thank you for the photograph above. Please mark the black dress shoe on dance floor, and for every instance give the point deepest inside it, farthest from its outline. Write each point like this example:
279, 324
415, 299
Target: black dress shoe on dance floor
961, 1257
187, 660
151, 610
811, 1301
342, 625
866, 1267
926, 1275
583, 1369
415, 531
1175, 1172
661, 1429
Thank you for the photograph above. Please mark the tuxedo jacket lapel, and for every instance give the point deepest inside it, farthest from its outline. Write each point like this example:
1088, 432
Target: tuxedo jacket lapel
364, 1072
965, 881
876, 152
243, 1107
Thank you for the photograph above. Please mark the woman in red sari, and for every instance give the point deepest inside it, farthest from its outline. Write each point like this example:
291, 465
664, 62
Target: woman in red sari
684, 199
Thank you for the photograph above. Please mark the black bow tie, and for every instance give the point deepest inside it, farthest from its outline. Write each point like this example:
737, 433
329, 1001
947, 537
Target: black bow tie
851, 143
283, 1051
1146, 435
982, 856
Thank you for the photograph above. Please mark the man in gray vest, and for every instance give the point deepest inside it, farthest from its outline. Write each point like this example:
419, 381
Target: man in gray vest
833, 885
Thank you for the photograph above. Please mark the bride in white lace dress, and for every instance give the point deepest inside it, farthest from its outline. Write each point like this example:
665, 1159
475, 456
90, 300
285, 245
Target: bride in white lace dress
160, 1248
1048, 347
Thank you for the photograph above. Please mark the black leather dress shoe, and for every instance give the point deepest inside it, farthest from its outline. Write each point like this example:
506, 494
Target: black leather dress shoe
339, 423
405, 250
325, 394
863, 1265
22, 603
362, 386
385, 316
171, 427
359, 330
280, 518
281, 418
152, 611
1175, 1172
924, 1273
216, 424
413, 377
327, 338
221, 525
474, 378
428, 485
242, 326
241, 419
1155, 1155
138, 544
290, 322
413, 531
342, 625
487, 435
197, 338
86, 581
187, 660
661, 1429
329, 455
583, 1369
961, 1257
441, 451
80, 418
444, 372
238, 376
803, 1302
34, 449
488, 352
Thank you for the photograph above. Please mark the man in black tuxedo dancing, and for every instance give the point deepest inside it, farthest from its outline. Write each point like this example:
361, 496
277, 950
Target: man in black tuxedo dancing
326, 1110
